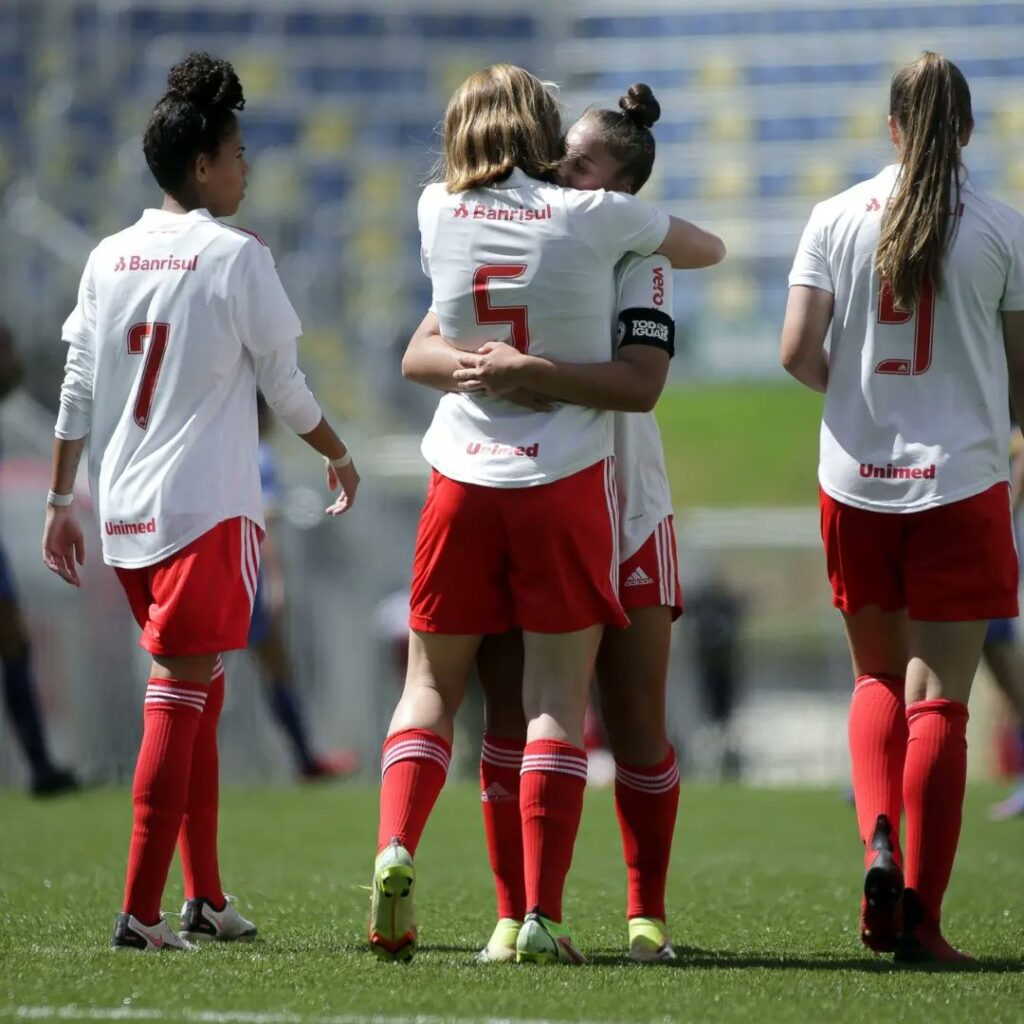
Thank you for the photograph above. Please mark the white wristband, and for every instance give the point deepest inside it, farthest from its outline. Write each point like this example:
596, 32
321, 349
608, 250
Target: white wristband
341, 463
59, 500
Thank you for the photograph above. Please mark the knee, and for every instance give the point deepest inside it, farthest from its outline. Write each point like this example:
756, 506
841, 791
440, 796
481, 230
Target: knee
637, 737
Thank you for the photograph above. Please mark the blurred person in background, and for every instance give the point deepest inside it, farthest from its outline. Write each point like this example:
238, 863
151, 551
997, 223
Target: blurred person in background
21, 697
267, 630
716, 613
1001, 655
179, 319
921, 279
530, 482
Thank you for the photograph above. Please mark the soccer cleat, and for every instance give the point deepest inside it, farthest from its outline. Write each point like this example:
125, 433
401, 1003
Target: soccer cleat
201, 923
541, 941
392, 919
649, 941
338, 764
130, 933
1011, 807
501, 946
921, 941
881, 910
54, 782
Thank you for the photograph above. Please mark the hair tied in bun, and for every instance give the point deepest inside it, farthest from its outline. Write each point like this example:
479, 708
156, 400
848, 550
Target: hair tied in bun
640, 106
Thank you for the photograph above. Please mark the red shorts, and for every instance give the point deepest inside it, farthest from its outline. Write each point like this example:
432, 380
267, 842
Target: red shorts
954, 563
198, 600
544, 559
649, 578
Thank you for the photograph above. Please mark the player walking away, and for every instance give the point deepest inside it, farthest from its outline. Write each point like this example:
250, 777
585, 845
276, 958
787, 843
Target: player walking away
518, 529
20, 696
266, 630
611, 150
179, 318
922, 280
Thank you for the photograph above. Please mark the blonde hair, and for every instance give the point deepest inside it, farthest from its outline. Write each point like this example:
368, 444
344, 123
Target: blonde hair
931, 102
500, 118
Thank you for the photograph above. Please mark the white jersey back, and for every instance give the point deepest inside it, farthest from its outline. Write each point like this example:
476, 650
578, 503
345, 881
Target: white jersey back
171, 313
640, 475
531, 263
916, 410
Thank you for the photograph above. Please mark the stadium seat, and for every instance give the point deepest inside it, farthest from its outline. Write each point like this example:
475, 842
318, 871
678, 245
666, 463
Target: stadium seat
728, 180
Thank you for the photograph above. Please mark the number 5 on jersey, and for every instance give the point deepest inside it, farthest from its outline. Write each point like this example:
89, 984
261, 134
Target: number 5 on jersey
515, 316
890, 313
157, 333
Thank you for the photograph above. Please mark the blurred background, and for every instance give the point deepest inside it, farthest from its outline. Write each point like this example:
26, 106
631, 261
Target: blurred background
767, 107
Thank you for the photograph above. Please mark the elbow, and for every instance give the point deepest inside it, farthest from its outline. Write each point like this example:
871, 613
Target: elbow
717, 253
645, 402
411, 370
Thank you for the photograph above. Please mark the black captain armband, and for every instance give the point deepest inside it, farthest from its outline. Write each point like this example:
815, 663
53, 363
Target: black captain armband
647, 327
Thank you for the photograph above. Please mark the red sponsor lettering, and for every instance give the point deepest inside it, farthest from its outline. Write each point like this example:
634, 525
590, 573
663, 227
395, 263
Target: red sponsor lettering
891, 472
528, 451
121, 528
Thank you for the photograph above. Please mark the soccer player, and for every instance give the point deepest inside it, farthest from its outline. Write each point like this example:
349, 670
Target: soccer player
179, 319
267, 631
921, 278
611, 150
518, 528
20, 697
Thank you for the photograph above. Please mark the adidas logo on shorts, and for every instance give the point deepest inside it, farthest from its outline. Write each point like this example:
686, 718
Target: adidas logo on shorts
637, 578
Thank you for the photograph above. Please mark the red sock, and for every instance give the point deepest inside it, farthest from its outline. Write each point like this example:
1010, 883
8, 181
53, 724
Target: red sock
878, 745
646, 800
551, 803
500, 763
197, 841
934, 780
170, 720
414, 765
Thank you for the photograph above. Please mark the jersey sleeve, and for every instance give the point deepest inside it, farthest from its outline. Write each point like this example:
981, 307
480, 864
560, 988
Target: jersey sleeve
264, 315
645, 303
811, 266
268, 327
1013, 292
614, 223
79, 332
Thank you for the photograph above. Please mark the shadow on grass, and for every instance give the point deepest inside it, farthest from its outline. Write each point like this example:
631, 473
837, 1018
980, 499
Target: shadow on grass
724, 959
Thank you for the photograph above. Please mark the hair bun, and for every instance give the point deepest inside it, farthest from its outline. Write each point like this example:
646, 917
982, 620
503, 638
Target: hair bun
207, 82
640, 106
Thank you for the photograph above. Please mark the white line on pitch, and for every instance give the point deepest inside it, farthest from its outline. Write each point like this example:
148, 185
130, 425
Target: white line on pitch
138, 1013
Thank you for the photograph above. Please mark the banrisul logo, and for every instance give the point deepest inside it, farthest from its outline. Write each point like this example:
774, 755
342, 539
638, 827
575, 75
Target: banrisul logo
136, 262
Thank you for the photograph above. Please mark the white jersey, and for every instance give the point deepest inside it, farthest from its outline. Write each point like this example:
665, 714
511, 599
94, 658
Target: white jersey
179, 317
643, 284
532, 263
916, 410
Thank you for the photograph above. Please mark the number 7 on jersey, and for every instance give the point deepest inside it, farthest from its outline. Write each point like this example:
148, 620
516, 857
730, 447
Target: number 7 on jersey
158, 335
515, 316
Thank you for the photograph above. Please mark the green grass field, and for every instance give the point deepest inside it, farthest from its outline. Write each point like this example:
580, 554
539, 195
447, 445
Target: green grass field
763, 899
741, 444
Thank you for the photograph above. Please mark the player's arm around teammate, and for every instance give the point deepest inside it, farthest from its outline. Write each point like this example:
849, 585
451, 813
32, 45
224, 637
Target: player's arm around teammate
613, 150
551, 568
922, 280
179, 318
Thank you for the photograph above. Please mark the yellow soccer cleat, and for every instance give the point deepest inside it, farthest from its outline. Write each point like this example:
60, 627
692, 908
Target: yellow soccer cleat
649, 941
501, 946
541, 941
392, 919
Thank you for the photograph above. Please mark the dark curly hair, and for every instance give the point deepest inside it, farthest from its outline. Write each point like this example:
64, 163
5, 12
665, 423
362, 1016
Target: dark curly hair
194, 116
626, 132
